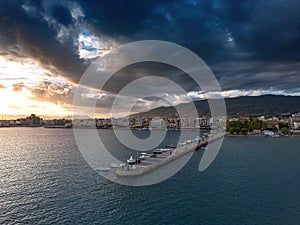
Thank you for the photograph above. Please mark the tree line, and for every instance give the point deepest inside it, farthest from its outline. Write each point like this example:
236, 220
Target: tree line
243, 128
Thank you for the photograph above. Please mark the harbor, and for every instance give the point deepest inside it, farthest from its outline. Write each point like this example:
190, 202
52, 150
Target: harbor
149, 162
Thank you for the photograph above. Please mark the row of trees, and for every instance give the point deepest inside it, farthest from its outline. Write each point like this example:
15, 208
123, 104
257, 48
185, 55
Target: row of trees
243, 128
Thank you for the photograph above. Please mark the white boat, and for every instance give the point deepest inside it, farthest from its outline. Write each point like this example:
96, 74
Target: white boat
188, 141
197, 138
102, 169
164, 149
182, 143
276, 136
143, 156
115, 165
131, 160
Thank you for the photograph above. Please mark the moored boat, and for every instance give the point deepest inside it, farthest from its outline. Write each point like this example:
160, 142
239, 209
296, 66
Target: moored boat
157, 151
131, 161
164, 149
143, 156
182, 143
104, 169
115, 165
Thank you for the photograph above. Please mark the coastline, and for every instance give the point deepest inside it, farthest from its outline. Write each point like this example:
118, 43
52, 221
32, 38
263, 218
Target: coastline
259, 136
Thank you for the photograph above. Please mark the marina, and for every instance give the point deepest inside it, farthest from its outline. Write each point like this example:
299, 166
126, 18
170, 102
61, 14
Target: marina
147, 162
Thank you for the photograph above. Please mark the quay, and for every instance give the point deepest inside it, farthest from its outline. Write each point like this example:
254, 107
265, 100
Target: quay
150, 164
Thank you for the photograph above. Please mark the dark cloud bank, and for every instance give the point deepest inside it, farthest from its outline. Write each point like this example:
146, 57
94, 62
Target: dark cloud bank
248, 44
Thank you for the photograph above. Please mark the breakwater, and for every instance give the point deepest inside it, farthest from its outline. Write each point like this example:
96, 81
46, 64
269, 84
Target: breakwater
151, 164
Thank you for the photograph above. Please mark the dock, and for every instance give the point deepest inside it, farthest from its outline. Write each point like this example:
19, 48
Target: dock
150, 164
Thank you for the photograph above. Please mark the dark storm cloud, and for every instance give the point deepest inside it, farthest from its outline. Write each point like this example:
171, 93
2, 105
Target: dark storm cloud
62, 15
256, 29
124, 18
242, 41
270, 30
155, 69
25, 24
259, 75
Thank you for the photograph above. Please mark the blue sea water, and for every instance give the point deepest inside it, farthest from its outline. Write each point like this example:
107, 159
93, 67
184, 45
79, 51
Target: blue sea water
45, 180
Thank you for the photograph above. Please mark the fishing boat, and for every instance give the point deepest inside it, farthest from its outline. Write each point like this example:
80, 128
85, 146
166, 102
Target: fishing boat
157, 151
276, 136
182, 143
131, 161
164, 149
102, 169
188, 141
204, 147
115, 165
143, 156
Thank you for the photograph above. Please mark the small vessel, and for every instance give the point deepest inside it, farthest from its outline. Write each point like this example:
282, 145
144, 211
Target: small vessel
164, 149
182, 143
131, 161
102, 169
170, 146
188, 141
143, 156
197, 139
157, 151
115, 165
276, 136
204, 147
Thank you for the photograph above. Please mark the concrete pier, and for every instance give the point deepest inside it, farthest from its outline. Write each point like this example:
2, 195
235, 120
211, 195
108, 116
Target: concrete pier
151, 164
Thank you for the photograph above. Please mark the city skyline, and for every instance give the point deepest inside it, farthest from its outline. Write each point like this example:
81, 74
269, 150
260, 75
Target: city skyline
45, 48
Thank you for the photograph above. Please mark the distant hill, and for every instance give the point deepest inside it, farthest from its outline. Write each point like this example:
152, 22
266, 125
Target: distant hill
267, 105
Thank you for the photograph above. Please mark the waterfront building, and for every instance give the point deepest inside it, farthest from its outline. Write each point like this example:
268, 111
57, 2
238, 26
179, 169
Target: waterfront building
157, 123
268, 133
100, 122
204, 123
262, 118
256, 131
4, 123
120, 122
296, 125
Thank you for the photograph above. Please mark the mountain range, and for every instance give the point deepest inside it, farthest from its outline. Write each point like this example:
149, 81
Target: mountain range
267, 105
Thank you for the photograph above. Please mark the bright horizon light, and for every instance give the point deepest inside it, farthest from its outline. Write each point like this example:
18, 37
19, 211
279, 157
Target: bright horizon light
26, 74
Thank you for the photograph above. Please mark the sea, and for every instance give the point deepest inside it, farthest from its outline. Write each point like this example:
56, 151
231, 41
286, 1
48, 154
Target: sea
44, 179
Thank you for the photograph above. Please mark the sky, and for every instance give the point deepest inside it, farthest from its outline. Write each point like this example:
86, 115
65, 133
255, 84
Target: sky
252, 47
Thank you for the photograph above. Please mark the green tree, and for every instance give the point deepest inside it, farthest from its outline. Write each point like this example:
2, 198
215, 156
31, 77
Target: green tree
285, 130
231, 130
237, 129
244, 131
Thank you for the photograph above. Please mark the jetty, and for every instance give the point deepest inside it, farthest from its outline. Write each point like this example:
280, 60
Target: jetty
161, 157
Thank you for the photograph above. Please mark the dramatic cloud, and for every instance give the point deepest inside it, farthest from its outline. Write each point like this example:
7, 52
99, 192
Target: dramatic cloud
18, 86
64, 33
251, 46
58, 93
23, 103
256, 75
